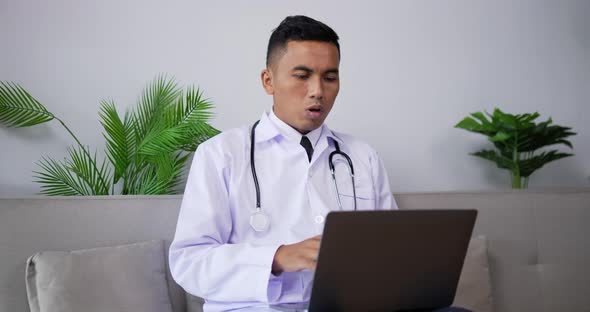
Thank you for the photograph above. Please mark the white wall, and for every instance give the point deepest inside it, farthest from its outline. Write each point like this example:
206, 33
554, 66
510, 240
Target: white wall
410, 71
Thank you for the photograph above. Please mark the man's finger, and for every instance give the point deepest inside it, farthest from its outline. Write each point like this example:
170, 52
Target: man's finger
310, 264
311, 253
317, 237
312, 244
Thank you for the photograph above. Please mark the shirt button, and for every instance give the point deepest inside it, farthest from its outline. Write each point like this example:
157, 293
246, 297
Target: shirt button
319, 219
309, 175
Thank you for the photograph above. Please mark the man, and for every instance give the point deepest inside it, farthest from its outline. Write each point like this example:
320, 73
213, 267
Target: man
237, 254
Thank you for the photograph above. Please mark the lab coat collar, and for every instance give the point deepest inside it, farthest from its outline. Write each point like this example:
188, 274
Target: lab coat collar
289, 133
266, 131
330, 134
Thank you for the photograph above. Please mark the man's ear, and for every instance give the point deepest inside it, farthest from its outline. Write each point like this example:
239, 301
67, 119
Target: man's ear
266, 78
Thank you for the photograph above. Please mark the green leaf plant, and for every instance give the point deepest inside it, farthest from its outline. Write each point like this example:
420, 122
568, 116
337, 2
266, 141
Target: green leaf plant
146, 148
518, 139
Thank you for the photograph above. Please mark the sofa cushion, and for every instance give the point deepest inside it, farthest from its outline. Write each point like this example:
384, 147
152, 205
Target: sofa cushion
474, 291
121, 278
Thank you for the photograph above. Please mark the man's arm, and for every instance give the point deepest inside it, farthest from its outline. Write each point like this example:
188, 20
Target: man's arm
201, 260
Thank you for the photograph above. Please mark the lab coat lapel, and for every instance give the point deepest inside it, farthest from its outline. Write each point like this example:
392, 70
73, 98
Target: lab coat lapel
325, 143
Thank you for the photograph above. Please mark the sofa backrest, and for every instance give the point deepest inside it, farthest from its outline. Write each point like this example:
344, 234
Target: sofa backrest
537, 246
31, 225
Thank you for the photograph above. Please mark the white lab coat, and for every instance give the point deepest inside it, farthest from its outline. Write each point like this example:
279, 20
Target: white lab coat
218, 256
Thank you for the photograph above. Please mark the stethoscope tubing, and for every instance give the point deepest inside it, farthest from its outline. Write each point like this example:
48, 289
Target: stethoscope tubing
253, 165
333, 172
337, 151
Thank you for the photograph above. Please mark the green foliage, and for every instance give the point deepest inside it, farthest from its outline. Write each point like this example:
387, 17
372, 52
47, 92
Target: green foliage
19, 109
517, 139
146, 148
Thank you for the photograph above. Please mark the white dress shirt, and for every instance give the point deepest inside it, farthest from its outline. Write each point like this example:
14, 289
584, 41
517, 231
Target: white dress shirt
218, 256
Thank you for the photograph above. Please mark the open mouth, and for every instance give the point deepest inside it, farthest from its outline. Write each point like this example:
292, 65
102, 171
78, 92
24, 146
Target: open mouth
314, 111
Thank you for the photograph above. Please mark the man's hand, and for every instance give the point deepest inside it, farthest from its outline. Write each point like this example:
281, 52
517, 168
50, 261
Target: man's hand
297, 257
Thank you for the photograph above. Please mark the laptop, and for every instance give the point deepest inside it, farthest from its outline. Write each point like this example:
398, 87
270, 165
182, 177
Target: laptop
393, 260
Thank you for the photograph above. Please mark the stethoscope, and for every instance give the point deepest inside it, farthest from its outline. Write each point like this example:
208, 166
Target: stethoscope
260, 220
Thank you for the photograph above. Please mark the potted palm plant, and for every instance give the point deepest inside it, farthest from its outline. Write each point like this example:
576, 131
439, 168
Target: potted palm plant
146, 148
518, 141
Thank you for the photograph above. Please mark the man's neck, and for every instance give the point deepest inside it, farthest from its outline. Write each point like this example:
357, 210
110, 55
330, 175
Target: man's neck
291, 132
302, 132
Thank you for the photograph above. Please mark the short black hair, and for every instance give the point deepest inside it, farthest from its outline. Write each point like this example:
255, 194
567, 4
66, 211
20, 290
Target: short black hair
299, 28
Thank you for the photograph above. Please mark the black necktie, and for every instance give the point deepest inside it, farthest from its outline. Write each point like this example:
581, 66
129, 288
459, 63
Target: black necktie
307, 145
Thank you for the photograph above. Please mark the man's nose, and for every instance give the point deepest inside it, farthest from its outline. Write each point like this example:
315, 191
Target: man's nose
316, 88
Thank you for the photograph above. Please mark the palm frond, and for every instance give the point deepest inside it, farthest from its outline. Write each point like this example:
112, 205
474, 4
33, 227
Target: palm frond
191, 114
86, 169
166, 171
147, 182
156, 98
189, 108
179, 163
146, 147
169, 170
57, 180
130, 183
20, 109
163, 141
119, 137
197, 109
162, 176
196, 134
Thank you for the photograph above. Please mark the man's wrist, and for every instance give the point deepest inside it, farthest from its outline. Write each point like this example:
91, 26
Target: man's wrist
276, 267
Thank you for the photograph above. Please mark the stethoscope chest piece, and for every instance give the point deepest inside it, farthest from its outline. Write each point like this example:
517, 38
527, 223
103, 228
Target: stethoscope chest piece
260, 221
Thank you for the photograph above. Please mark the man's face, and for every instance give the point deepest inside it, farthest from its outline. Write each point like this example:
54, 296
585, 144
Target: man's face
304, 83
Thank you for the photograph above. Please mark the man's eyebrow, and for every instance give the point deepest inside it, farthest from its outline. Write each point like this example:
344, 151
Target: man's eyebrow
303, 68
309, 70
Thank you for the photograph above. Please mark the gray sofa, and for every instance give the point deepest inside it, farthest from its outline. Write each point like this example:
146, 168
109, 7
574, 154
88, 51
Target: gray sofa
537, 244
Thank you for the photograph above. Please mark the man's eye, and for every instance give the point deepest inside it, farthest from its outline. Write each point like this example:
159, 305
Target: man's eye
302, 77
331, 78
